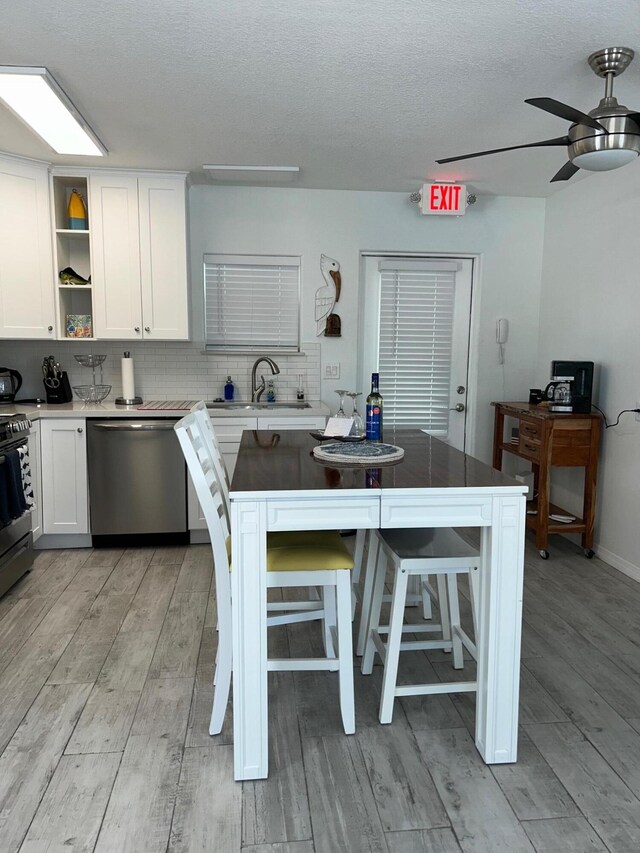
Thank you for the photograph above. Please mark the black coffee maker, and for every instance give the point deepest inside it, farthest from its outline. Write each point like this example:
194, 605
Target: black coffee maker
571, 386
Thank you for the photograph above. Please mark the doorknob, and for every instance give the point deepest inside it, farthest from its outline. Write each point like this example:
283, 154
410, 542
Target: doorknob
459, 407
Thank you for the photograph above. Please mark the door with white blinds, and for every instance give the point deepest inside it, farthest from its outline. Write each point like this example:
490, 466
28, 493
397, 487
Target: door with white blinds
252, 302
420, 309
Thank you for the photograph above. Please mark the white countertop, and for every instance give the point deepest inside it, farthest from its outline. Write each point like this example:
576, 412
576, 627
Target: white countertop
108, 409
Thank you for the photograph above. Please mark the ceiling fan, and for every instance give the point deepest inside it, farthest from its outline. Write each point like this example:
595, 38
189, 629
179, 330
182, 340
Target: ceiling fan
605, 138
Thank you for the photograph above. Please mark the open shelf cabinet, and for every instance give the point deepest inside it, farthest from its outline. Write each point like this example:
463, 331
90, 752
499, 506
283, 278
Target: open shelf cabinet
74, 302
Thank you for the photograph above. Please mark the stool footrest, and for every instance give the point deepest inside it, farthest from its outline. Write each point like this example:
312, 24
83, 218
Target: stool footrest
419, 645
291, 619
447, 687
412, 629
301, 664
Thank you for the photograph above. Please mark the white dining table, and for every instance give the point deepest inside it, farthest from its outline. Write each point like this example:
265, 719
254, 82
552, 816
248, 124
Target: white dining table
279, 485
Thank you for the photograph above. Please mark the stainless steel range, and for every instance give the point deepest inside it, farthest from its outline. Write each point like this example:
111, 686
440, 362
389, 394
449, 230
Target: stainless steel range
16, 541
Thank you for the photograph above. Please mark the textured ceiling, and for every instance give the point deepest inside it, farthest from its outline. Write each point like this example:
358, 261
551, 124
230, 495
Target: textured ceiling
359, 95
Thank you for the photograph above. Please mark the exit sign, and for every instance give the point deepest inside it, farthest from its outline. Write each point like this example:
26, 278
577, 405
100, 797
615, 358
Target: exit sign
444, 199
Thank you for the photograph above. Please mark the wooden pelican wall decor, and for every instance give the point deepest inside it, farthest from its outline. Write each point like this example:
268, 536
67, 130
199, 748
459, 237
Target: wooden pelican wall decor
326, 298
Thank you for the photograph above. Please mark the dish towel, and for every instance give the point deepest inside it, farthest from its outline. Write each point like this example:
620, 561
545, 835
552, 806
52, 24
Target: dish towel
25, 471
12, 500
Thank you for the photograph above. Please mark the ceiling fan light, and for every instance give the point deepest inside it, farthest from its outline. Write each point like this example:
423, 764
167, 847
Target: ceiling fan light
603, 160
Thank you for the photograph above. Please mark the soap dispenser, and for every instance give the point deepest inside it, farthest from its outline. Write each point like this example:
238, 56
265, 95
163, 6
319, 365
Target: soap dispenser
228, 389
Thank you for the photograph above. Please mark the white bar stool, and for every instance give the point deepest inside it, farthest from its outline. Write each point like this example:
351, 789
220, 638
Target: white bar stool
420, 591
302, 558
419, 552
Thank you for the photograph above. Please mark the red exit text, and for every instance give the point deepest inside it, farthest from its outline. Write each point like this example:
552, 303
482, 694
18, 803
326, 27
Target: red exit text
448, 199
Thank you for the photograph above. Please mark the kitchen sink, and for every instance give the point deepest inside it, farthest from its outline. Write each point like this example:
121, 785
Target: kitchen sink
257, 407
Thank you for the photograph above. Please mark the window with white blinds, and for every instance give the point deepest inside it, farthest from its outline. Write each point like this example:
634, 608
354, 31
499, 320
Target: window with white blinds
415, 344
252, 302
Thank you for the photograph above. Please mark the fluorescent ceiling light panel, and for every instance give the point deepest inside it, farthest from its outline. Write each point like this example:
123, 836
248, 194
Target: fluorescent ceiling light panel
228, 168
35, 97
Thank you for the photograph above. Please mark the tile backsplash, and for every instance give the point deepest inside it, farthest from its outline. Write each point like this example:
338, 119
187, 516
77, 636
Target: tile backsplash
167, 370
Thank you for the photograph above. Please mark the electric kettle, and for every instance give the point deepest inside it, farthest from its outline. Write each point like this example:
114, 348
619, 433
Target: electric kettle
10, 382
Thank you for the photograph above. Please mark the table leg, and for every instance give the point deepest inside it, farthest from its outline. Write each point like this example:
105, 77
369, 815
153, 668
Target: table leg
498, 438
590, 478
501, 581
249, 606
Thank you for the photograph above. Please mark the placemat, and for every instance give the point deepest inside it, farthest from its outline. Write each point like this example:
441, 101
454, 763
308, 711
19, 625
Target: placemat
367, 453
163, 405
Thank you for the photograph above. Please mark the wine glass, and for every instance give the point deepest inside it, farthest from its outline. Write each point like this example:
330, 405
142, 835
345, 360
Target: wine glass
358, 423
341, 412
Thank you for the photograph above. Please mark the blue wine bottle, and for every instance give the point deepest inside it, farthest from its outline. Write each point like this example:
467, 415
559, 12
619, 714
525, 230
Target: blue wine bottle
374, 411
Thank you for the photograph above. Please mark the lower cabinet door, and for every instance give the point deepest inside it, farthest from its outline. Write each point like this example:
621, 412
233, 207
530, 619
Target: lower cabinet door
65, 496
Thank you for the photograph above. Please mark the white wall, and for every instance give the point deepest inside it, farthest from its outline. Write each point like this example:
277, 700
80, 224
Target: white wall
590, 310
506, 232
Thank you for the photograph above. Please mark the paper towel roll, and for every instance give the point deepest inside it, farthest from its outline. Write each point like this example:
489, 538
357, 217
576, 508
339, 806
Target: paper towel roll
128, 382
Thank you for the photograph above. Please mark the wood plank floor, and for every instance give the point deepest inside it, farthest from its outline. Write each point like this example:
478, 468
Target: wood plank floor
105, 691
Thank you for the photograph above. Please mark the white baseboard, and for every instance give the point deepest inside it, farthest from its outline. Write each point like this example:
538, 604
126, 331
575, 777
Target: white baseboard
618, 563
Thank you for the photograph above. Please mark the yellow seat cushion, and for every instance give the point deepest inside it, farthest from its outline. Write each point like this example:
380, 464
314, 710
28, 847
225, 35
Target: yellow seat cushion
307, 551
304, 551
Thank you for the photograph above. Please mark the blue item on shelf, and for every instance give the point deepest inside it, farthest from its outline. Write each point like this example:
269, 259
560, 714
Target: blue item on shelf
228, 389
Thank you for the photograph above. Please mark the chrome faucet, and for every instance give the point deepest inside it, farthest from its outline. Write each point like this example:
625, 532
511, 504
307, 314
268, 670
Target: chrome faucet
256, 391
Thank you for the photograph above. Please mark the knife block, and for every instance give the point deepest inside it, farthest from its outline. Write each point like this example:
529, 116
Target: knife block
61, 394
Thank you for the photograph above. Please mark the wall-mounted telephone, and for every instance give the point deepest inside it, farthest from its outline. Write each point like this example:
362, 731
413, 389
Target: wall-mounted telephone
502, 333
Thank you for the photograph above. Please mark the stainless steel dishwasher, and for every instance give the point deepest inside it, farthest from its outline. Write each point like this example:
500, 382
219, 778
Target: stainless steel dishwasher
137, 480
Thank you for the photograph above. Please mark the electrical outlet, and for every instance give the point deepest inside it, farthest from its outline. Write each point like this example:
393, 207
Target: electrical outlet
332, 370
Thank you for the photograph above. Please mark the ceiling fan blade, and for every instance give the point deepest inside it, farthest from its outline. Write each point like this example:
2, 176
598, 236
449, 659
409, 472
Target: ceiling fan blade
559, 140
635, 117
557, 108
566, 172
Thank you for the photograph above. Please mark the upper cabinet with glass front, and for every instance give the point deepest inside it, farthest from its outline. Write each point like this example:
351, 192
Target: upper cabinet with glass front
26, 266
139, 255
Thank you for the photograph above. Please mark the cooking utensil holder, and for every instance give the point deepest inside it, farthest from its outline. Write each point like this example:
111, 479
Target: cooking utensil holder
61, 394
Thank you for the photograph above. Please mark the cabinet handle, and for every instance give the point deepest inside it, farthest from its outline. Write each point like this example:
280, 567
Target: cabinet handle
136, 328
50, 328
147, 328
79, 429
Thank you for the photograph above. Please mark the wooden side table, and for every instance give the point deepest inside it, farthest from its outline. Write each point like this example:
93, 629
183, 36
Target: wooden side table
547, 439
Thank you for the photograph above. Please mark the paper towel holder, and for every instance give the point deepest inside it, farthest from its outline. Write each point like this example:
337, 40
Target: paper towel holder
124, 401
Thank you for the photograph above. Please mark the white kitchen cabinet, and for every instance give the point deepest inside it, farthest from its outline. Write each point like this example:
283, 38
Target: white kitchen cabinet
33, 443
65, 496
26, 264
139, 256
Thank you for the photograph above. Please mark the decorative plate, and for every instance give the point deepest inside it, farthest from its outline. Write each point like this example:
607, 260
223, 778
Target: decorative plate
369, 453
